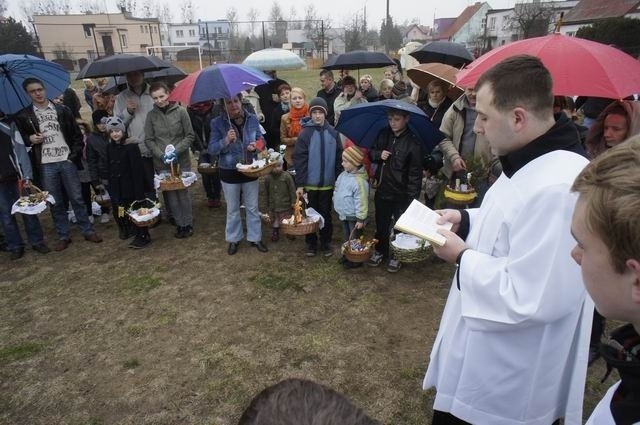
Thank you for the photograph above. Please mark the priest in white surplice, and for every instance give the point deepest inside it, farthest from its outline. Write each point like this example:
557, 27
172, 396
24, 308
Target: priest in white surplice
513, 340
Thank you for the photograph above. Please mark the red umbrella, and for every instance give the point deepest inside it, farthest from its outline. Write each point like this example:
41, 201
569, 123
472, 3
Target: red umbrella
578, 66
182, 92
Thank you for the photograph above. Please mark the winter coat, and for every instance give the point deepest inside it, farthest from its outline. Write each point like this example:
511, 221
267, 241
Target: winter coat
97, 156
342, 102
286, 139
125, 172
371, 94
280, 191
135, 123
201, 129
400, 176
330, 98
453, 127
236, 152
27, 122
317, 157
169, 127
351, 195
620, 404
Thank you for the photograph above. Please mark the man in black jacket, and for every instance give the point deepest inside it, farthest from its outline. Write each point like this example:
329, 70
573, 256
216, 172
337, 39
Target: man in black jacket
201, 115
328, 92
54, 136
398, 153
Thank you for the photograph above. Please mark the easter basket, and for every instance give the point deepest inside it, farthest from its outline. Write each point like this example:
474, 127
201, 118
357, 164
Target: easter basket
206, 168
409, 249
302, 228
358, 250
460, 197
144, 213
257, 169
33, 202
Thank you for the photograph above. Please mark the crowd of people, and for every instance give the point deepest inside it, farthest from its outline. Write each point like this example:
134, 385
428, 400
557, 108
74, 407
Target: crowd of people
514, 342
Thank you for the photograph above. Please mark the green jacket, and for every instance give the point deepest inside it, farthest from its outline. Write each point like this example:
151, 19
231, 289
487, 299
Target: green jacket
281, 191
170, 127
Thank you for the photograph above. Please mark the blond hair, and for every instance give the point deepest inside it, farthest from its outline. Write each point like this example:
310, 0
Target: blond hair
386, 84
610, 188
299, 91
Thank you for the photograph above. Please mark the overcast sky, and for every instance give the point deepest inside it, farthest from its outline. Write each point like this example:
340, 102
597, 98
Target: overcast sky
340, 11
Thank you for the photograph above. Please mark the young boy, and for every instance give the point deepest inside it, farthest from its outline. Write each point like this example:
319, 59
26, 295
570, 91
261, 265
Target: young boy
281, 195
125, 181
606, 227
316, 159
351, 197
398, 154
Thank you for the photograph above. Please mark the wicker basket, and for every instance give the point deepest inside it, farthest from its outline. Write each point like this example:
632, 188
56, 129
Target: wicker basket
299, 229
410, 255
211, 169
458, 197
132, 213
361, 256
174, 184
258, 172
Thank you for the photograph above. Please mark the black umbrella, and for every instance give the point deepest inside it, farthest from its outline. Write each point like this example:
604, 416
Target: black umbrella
446, 52
359, 59
121, 64
170, 75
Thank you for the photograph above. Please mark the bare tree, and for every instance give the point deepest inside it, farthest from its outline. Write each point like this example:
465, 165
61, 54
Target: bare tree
187, 11
148, 9
92, 7
532, 19
46, 7
294, 18
163, 13
252, 16
130, 6
3, 6
232, 16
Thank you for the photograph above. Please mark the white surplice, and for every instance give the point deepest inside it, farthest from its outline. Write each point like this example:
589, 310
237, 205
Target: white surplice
512, 346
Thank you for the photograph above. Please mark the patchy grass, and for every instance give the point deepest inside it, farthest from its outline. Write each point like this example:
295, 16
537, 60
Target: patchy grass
142, 283
130, 364
279, 280
20, 352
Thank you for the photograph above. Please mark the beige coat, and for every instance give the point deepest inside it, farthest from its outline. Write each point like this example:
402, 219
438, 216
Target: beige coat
453, 127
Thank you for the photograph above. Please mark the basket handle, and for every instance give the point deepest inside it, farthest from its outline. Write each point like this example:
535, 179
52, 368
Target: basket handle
32, 187
352, 231
131, 207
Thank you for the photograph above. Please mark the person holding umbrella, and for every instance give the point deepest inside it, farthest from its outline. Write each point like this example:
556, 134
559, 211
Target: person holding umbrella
398, 154
235, 137
52, 132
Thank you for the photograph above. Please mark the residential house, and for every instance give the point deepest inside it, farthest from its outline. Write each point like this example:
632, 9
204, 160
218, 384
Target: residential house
586, 12
74, 40
215, 34
415, 32
441, 26
468, 28
184, 34
499, 30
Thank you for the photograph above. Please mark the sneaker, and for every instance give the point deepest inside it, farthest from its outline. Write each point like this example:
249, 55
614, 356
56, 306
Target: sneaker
90, 219
311, 251
327, 251
375, 260
393, 266
104, 218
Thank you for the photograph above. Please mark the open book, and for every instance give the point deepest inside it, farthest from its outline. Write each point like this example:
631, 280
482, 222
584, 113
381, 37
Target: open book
420, 220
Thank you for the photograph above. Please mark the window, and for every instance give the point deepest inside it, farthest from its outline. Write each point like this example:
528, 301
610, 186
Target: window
123, 40
61, 54
192, 33
146, 28
492, 23
87, 30
179, 33
141, 28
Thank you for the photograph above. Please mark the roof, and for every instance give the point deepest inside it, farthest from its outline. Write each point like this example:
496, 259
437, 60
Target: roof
593, 10
460, 21
421, 28
442, 25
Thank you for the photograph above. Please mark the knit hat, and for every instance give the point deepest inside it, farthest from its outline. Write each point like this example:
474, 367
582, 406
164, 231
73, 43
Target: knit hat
115, 123
399, 88
354, 155
97, 116
318, 103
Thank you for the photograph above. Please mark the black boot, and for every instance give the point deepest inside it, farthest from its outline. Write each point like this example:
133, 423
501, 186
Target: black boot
142, 238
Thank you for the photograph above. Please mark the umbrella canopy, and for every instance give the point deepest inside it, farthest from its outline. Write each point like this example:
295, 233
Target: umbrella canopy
13, 71
359, 59
577, 66
423, 74
447, 52
274, 59
217, 82
170, 75
362, 123
121, 64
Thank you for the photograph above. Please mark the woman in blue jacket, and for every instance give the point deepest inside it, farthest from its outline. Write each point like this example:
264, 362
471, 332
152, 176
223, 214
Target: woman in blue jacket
235, 138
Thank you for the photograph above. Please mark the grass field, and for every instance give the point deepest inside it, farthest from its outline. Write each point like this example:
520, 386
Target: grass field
182, 333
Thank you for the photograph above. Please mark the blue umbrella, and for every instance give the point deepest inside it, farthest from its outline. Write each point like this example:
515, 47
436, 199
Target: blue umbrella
362, 123
221, 82
14, 69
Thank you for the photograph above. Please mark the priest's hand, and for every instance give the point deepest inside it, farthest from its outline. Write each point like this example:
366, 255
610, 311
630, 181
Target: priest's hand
452, 247
450, 216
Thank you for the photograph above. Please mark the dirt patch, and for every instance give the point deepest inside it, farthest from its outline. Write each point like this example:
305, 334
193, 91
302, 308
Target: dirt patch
182, 333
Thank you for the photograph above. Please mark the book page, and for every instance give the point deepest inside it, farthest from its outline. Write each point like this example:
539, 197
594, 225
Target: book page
421, 221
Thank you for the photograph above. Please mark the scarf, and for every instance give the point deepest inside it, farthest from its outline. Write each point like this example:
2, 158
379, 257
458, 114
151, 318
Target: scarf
433, 104
296, 115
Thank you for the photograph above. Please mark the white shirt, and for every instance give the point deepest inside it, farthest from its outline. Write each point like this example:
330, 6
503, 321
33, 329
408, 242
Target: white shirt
54, 147
513, 341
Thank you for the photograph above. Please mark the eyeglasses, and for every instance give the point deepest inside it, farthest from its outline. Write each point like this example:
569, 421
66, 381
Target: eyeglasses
33, 91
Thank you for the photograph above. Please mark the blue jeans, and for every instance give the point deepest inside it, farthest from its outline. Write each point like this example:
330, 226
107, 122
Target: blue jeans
347, 228
249, 191
56, 176
8, 195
